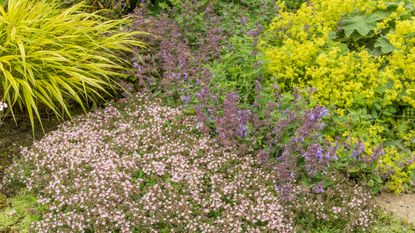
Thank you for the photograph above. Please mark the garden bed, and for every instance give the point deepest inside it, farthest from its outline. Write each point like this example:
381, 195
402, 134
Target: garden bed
237, 116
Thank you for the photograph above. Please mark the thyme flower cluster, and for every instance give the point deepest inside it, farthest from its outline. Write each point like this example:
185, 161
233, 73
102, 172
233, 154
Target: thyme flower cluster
3, 106
145, 167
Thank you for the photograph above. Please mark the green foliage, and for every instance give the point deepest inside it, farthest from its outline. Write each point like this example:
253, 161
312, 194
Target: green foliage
363, 24
22, 212
50, 56
237, 70
293, 4
239, 67
358, 55
237, 22
383, 44
386, 222
179, 3
118, 7
3, 201
362, 29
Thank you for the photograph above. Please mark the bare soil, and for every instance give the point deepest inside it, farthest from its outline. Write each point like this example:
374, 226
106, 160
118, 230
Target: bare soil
402, 206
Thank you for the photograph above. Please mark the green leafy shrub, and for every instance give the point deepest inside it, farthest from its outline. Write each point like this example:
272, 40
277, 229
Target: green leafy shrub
217, 34
52, 55
239, 68
359, 56
165, 4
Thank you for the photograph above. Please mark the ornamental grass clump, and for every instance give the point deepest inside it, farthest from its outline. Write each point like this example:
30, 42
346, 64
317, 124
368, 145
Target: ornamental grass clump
51, 56
145, 167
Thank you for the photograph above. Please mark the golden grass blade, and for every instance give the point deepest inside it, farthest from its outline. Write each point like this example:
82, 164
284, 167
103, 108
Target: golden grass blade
49, 55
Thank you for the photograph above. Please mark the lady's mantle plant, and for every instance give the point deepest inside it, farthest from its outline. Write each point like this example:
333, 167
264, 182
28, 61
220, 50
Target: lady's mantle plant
359, 56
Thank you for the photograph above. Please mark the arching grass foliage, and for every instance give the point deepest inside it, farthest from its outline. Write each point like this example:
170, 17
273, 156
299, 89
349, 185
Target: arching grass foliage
50, 55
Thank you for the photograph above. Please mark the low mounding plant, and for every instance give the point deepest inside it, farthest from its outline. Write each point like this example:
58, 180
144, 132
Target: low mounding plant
51, 55
18, 214
341, 48
344, 205
145, 167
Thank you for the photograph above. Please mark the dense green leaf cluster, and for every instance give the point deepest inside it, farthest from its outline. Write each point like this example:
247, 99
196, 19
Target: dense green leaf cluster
359, 56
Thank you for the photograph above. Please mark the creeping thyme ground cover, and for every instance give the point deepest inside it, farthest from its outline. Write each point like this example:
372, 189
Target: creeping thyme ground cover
144, 167
250, 116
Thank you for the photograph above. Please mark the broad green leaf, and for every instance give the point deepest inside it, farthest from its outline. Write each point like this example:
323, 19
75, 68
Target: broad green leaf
332, 35
375, 189
363, 24
378, 179
353, 169
384, 45
360, 23
371, 183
